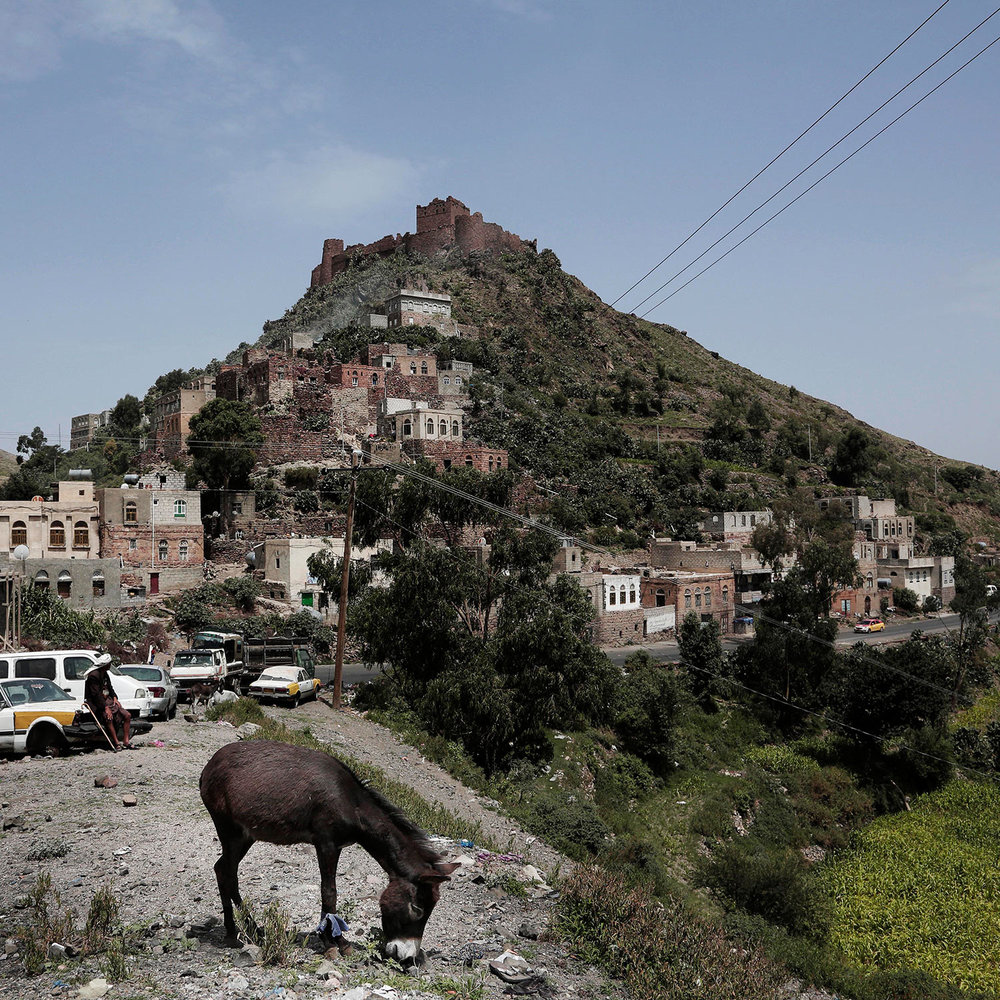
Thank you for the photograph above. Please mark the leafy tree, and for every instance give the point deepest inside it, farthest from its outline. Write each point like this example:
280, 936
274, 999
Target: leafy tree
962, 477
905, 599
855, 458
757, 419
126, 416
224, 433
647, 708
28, 443
700, 646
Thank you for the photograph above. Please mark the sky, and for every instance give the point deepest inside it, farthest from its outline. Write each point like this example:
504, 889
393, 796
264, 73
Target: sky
170, 169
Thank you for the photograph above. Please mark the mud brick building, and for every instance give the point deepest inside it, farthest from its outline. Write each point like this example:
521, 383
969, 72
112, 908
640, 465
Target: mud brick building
442, 224
156, 534
708, 595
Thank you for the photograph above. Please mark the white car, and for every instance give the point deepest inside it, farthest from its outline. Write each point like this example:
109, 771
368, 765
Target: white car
163, 692
285, 684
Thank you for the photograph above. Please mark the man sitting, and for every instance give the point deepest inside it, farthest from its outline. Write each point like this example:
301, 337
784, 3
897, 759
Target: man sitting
100, 696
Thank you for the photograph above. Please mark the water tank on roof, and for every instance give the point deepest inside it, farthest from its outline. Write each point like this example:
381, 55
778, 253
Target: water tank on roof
81, 473
130, 478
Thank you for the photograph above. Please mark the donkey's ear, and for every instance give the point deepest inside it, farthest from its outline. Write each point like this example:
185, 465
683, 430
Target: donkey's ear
447, 867
439, 873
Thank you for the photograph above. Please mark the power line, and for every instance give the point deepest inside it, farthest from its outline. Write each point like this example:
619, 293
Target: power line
774, 159
828, 150
820, 180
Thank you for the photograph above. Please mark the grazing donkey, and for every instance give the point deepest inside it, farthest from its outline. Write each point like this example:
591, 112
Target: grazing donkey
262, 790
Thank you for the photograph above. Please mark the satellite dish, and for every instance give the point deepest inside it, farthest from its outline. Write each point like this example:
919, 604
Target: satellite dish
37, 499
21, 552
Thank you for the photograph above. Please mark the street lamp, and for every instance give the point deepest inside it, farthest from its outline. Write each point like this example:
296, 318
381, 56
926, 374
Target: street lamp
21, 552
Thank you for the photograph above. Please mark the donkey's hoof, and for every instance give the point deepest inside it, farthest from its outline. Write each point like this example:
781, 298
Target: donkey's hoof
232, 941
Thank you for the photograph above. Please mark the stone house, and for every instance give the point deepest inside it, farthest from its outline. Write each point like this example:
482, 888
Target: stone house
82, 583
172, 413
710, 595
65, 528
84, 427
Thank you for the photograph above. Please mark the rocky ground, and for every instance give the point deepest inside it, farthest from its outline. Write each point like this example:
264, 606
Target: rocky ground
158, 854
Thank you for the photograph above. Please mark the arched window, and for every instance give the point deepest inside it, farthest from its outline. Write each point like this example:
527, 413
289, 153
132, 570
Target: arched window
354, 381
458, 380
97, 583
687, 598
697, 598
661, 598
162, 549
407, 428
612, 596
18, 534
725, 596
708, 598
57, 535
443, 428
64, 584
374, 378
621, 594
870, 581
447, 380
468, 461
454, 428
182, 550
131, 513
413, 368
491, 463
180, 508
430, 428
423, 367
42, 580
631, 593
81, 535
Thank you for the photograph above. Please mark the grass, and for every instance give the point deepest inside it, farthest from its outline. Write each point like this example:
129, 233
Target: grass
269, 928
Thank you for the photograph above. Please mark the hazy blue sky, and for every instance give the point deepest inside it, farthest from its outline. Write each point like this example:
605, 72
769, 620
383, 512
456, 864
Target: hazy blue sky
170, 169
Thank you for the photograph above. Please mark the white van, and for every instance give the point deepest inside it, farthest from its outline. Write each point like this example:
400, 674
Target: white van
68, 668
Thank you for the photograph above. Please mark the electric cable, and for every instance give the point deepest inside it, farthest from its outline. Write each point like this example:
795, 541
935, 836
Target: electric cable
775, 159
822, 155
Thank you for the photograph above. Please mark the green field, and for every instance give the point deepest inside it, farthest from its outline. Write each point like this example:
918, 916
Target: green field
921, 889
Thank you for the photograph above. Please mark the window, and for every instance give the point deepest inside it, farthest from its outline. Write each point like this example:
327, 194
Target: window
468, 461
180, 508
354, 381
423, 367
687, 598
443, 428
697, 598
42, 580
725, 596
81, 535
447, 380
661, 598
631, 593
413, 368
458, 380
182, 550
238, 534
237, 506
612, 596
708, 598
57, 535
97, 583
621, 594
75, 667
162, 549
64, 584
18, 534
407, 428
430, 427
743, 520
133, 544
44, 666
491, 463
454, 428
374, 378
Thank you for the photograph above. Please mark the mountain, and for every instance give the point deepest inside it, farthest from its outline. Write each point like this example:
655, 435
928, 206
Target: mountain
8, 463
630, 423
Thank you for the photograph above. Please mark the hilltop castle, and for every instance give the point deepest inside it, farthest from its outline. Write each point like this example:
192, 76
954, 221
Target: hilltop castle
440, 225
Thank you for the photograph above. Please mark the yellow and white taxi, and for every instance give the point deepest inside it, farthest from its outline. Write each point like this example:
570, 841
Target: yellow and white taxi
285, 684
38, 717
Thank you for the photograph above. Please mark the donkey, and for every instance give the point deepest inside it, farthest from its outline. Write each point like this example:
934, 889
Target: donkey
282, 794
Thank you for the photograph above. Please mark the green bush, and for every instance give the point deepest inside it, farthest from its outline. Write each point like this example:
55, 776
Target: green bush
301, 477
905, 599
575, 828
829, 803
770, 882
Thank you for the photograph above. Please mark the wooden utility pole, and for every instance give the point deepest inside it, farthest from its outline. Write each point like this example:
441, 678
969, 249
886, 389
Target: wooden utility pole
345, 575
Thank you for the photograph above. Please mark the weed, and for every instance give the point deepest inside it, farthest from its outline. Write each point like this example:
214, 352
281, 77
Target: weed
45, 851
270, 930
34, 939
102, 918
466, 988
115, 966
237, 712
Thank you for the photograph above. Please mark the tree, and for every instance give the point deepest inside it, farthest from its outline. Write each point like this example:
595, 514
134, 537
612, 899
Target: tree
855, 458
700, 646
28, 443
646, 710
224, 433
126, 416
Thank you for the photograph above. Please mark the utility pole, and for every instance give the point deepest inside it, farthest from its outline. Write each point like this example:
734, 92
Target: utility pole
809, 431
345, 575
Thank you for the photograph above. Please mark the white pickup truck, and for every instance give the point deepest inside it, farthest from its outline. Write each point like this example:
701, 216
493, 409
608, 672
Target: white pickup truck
198, 666
68, 669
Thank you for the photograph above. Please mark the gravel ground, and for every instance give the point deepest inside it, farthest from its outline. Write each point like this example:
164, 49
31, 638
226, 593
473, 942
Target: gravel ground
158, 857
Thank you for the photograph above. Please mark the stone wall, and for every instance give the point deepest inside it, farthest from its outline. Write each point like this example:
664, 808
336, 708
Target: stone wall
619, 628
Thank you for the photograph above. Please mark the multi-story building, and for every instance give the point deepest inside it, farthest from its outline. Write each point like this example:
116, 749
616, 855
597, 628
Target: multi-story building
172, 413
418, 307
83, 428
156, 533
709, 595
734, 525
65, 528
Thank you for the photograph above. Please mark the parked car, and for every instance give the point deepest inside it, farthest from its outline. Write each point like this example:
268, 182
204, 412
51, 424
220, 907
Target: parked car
68, 669
160, 685
38, 717
285, 684
870, 625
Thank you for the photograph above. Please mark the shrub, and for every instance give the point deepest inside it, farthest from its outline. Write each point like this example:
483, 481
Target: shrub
770, 882
905, 599
830, 804
658, 950
269, 929
575, 828
301, 477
